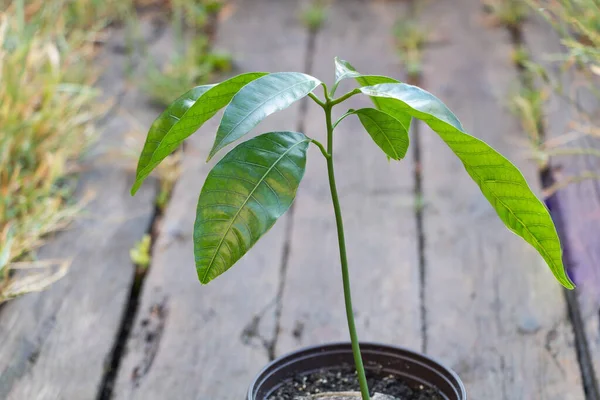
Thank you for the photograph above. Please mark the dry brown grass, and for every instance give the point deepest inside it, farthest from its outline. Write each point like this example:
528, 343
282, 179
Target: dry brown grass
578, 24
47, 109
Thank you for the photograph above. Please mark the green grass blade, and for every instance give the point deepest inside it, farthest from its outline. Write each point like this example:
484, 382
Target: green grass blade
499, 180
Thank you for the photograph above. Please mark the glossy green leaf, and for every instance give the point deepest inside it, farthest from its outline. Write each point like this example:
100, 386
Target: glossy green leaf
258, 100
499, 180
244, 194
387, 132
343, 70
182, 118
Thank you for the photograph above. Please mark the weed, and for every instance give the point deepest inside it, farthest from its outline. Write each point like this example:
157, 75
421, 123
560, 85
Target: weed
410, 40
508, 13
578, 24
197, 66
314, 16
140, 253
528, 105
166, 173
194, 62
46, 101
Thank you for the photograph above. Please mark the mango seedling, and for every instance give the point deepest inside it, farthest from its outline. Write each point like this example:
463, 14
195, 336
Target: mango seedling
256, 182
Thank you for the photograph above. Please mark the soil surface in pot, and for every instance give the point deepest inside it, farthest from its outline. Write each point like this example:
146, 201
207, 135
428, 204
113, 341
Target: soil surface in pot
343, 379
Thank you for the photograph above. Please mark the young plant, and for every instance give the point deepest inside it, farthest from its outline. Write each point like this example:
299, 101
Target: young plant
256, 182
314, 15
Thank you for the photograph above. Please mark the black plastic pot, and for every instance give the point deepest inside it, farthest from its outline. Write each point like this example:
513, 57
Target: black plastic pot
412, 367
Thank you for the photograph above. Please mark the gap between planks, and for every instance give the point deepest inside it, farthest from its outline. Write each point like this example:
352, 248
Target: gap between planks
193, 341
574, 206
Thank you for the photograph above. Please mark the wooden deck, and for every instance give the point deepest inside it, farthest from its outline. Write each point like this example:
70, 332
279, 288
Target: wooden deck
432, 267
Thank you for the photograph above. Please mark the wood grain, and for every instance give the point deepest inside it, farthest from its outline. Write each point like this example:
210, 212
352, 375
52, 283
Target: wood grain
377, 200
494, 312
207, 342
577, 204
57, 344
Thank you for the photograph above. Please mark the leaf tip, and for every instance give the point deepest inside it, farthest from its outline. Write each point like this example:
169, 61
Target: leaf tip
215, 149
135, 187
202, 275
568, 283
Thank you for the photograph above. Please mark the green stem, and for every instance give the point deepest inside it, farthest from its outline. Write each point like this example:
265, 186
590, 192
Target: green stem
340, 119
344, 97
321, 147
360, 369
316, 99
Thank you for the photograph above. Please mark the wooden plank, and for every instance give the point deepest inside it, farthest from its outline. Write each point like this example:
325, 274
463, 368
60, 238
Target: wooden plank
377, 200
191, 341
57, 344
494, 312
579, 203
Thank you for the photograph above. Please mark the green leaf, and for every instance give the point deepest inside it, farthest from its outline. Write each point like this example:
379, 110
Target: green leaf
182, 118
343, 70
499, 180
387, 132
258, 100
244, 194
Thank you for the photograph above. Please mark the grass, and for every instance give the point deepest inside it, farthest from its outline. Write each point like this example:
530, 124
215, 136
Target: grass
140, 253
314, 15
167, 172
193, 62
529, 102
48, 106
46, 101
410, 39
197, 65
508, 13
578, 24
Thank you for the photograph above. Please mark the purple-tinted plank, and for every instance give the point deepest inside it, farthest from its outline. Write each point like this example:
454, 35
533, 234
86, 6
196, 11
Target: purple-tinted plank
576, 205
494, 311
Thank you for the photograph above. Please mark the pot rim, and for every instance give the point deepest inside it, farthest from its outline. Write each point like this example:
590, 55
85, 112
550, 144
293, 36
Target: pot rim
299, 354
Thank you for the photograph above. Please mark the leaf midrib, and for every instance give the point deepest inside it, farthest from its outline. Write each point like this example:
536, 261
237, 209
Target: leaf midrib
471, 167
218, 248
550, 260
499, 200
256, 108
159, 143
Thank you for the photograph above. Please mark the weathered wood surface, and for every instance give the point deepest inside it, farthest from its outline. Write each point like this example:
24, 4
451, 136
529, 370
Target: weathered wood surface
494, 312
57, 344
207, 342
578, 204
377, 200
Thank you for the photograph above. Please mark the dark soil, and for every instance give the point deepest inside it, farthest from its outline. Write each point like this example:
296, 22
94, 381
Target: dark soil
343, 379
